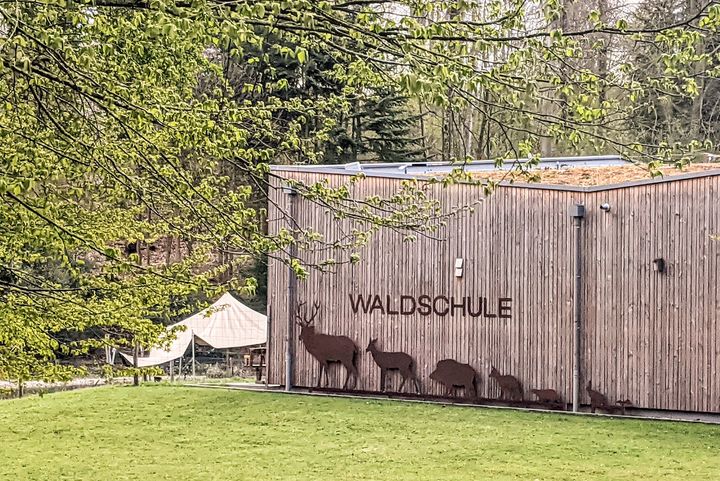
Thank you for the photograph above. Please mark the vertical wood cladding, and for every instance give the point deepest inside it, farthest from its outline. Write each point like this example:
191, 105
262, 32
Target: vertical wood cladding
649, 337
652, 337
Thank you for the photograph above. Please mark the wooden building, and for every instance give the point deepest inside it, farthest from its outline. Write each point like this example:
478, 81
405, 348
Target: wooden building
499, 280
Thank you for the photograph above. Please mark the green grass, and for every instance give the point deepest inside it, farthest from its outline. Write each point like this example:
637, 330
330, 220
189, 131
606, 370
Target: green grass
168, 432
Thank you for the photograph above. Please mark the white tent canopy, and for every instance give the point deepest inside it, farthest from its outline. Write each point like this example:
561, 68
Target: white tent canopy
228, 323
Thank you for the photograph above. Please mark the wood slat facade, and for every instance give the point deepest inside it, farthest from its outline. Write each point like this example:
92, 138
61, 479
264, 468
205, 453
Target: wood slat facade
649, 337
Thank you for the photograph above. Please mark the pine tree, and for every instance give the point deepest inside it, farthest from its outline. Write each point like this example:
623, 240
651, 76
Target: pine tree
381, 128
389, 130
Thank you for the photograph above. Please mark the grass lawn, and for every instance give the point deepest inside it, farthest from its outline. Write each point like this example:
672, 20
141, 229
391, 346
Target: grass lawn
169, 432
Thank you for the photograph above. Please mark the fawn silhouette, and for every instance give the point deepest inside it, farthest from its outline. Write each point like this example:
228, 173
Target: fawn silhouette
548, 396
452, 374
623, 404
393, 361
326, 348
509, 385
597, 399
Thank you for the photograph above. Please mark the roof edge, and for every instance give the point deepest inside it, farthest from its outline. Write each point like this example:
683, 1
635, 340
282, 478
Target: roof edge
523, 185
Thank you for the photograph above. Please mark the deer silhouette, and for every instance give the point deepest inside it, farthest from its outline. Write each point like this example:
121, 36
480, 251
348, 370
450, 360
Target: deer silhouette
393, 361
452, 374
326, 348
597, 399
509, 385
548, 396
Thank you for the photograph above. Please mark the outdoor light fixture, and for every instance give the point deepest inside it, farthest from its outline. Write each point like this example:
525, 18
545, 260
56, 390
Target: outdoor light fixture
459, 267
605, 207
577, 211
659, 265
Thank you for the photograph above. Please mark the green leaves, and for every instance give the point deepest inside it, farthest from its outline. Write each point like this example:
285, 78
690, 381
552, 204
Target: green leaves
301, 54
103, 147
156, 126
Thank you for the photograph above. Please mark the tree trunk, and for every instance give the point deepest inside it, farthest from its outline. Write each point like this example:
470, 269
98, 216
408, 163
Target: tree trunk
168, 249
696, 119
467, 148
422, 128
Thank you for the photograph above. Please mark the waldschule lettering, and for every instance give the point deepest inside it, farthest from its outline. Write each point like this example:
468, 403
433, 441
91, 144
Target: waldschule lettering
439, 305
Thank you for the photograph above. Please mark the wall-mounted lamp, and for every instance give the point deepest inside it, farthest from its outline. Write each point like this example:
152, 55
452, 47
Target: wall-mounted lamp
605, 207
577, 211
659, 265
459, 267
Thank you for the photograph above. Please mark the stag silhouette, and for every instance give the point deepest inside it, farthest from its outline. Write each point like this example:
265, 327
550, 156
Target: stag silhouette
326, 348
393, 361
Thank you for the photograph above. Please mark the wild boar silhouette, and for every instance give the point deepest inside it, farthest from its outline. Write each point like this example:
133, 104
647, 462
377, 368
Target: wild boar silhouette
453, 374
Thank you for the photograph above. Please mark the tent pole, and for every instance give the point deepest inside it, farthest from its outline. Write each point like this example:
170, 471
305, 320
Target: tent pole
193, 353
107, 349
180, 366
136, 379
172, 370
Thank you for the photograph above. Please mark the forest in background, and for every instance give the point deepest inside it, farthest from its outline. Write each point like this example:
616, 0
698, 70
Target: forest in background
137, 135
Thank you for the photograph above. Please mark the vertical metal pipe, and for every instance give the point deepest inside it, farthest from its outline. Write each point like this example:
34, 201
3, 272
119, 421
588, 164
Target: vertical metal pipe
267, 346
291, 301
193, 352
578, 213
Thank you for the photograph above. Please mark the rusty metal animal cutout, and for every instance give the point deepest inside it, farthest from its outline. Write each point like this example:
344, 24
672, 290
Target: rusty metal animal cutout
548, 396
326, 348
509, 385
623, 404
393, 361
453, 374
597, 399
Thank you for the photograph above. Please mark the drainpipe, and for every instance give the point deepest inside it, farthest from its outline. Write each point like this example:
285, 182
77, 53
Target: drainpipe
577, 212
292, 289
267, 347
